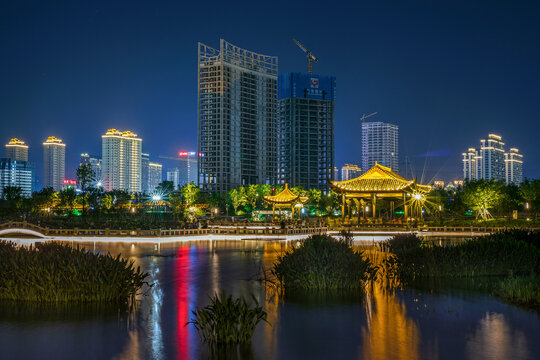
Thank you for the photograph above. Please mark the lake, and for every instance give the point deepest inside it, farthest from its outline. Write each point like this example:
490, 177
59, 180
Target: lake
447, 323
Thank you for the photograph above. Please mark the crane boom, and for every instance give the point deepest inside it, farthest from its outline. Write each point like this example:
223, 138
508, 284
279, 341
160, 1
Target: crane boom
310, 57
364, 116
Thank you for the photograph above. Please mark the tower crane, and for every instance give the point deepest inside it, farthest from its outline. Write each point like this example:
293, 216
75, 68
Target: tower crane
364, 116
310, 57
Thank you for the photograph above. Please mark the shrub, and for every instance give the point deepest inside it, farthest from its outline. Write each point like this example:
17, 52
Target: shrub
226, 321
322, 262
523, 291
401, 242
52, 272
484, 256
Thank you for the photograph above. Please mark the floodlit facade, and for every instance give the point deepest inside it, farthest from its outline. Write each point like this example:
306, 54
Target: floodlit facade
16, 173
155, 175
492, 158
491, 162
95, 163
17, 150
349, 172
187, 171
145, 171
306, 130
121, 160
380, 145
237, 117
54, 163
173, 175
514, 166
471, 161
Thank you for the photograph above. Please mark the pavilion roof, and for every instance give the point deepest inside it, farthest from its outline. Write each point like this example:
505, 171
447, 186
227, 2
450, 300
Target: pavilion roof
377, 179
286, 196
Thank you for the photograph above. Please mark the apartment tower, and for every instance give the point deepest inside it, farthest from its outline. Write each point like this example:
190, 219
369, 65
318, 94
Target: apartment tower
121, 160
237, 117
54, 163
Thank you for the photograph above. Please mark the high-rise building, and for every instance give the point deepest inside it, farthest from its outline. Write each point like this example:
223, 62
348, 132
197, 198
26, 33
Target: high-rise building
145, 171
173, 175
514, 166
349, 172
306, 130
491, 164
16, 173
121, 160
380, 145
155, 175
471, 161
237, 117
188, 167
54, 163
95, 163
17, 150
336, 173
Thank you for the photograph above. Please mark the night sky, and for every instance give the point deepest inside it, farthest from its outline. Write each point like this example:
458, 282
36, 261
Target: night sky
448, 73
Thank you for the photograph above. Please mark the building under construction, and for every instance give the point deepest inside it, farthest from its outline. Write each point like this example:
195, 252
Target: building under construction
306, 130
237, 117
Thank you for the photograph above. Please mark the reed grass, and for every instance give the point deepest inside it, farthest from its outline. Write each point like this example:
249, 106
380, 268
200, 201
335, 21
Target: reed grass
54, 272
322, 262
494, 255
524, 291
227, 321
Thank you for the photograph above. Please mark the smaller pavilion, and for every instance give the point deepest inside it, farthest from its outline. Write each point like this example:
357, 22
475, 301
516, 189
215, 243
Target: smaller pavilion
285, 199
379, 183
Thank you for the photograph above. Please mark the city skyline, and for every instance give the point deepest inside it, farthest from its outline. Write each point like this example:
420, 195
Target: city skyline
154, 92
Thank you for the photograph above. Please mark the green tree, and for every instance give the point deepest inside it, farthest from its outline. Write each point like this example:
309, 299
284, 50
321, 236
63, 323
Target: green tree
67, 198
314, 197
107, 201
237, 198
85, 176
44, 200
177, 203
299, 190
190, 193
481, 196
512, 199
530, 190
252, 195
13, 198
121, 198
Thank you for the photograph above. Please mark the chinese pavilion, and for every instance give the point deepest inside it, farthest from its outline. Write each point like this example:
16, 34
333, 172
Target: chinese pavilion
379, 183
285, 199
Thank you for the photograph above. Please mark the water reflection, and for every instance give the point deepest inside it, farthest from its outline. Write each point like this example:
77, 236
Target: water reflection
497, 340
387, 319
411, 324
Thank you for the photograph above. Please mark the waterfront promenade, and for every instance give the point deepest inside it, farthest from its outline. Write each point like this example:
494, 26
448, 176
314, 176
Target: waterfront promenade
242, 231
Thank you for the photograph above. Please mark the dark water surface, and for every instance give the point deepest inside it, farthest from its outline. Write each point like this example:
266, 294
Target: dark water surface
446, 324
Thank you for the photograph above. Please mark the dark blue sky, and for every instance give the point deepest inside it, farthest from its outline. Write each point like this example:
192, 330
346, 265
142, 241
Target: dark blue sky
448, 73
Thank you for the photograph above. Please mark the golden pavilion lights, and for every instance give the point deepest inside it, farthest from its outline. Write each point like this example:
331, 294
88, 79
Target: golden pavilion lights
285, 199
380, 182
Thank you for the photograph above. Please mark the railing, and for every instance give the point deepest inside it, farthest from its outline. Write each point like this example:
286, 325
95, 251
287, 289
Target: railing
254, 229
231, 230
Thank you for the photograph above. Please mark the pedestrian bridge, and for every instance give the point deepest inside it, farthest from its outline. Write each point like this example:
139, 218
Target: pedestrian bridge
21, 228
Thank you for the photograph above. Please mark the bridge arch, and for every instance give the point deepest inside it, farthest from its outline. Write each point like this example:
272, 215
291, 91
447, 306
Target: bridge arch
5, 232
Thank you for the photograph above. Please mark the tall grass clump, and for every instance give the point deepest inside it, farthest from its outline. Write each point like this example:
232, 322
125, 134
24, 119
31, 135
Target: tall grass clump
227, 321
322, 262
523, 291
54, 272
495, 255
